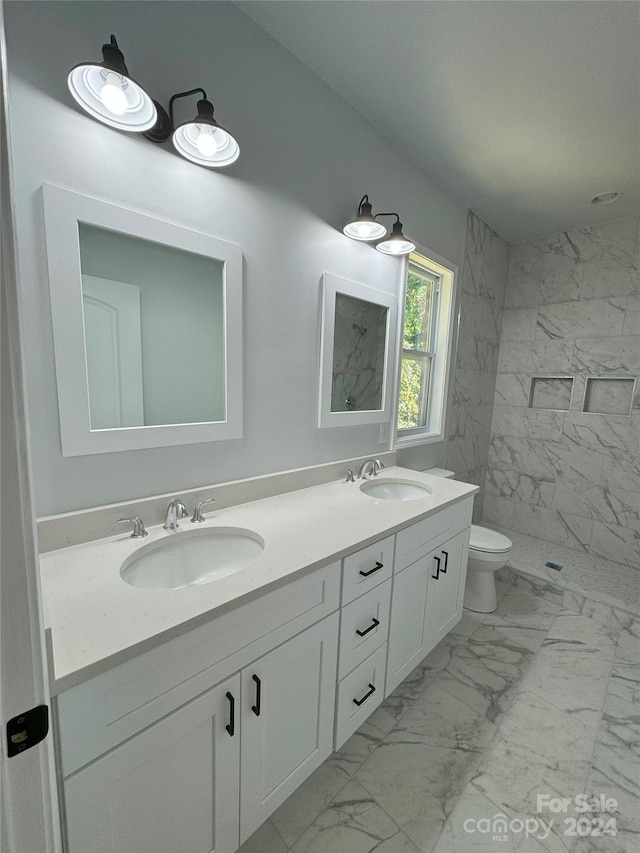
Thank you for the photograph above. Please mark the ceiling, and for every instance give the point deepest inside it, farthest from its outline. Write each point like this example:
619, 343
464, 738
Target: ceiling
522, 109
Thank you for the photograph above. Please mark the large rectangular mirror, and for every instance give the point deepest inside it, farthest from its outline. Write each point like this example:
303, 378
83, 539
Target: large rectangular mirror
147, 328
358, 353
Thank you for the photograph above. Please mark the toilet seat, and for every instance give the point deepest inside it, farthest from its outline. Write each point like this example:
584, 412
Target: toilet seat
488, 541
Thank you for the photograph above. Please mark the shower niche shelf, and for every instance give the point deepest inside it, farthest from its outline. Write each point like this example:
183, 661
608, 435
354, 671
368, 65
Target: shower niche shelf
553, 393
609, 395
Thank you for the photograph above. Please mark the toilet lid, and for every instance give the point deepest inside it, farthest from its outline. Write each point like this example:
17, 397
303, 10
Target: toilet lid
484, 539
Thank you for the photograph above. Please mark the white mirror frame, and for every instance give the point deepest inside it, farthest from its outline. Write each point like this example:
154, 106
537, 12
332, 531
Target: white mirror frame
332, 285
63, 210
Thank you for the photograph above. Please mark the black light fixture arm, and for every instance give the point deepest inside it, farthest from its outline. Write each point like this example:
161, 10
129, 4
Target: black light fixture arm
184, 95
387, 214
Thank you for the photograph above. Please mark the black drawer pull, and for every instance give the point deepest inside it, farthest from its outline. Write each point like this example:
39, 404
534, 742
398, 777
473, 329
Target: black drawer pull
437, 574
369, 692
446, 562
231, 727
376, 568
256, 708
374, 624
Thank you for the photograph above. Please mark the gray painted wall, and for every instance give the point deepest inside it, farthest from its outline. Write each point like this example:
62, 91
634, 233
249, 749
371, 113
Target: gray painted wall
483, 282
572, 308
306, 159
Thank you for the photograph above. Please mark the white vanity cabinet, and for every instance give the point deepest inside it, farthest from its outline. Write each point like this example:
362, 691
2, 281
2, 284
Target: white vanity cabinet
146, 771
191, 745
172, 787
287, 720
428, 587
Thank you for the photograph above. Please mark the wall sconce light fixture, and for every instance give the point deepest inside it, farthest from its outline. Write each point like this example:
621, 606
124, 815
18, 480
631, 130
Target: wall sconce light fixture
108, 94
365, 227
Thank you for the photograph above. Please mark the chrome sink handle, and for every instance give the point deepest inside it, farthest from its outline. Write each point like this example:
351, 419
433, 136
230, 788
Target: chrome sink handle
197, 517
376, 466
175, 510
139, 531
350, 477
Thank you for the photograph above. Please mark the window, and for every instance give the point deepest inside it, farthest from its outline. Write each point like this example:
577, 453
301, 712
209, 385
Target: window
426, 344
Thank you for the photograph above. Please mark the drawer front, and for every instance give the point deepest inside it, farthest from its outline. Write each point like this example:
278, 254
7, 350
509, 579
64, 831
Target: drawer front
124, 700
359, 694
364, 626
425, 535
366, 568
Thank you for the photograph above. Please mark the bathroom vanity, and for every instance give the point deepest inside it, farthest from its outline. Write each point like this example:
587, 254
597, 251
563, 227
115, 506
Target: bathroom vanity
185, 717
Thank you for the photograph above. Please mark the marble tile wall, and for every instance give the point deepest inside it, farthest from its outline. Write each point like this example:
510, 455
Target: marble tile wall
571, 308
483, 281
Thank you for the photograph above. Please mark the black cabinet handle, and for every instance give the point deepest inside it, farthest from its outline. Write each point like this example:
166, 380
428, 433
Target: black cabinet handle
374, 624
446, 562
369, 692
256, 708
376, 568
437, 574
231, 727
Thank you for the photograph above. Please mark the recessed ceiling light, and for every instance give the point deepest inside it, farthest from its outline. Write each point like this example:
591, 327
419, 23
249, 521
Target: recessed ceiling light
606, 198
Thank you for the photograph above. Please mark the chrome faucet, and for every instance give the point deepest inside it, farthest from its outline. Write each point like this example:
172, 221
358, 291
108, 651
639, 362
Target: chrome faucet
198, 517
139, 531
175, 510
374, 465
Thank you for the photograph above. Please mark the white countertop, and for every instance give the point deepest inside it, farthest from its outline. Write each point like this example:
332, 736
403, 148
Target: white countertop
97, 620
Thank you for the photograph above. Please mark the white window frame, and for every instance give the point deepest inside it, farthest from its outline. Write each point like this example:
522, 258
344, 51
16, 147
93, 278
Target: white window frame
444, 326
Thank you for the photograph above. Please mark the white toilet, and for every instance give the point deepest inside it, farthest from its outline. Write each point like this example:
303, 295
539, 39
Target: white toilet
488, 552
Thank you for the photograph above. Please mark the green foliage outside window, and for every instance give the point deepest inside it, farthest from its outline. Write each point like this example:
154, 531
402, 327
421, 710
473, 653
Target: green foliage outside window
417, 323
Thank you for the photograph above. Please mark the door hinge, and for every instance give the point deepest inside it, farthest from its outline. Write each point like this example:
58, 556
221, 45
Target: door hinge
27, 730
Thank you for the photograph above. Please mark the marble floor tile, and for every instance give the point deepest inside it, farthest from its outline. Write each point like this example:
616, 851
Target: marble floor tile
306, 803
353, 823
513, 579
575, 633
625, 841
522, 609
628, 647
417, 784
264, 840
489, 666
538, 751
475, 826
440, 718
361, 744
571, 682
440, 657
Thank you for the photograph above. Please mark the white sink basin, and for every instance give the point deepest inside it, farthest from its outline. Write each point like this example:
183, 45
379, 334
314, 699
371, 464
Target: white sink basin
192, 558
394, 490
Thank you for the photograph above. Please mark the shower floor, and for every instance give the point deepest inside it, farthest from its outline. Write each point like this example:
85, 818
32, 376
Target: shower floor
601, 580
520, 716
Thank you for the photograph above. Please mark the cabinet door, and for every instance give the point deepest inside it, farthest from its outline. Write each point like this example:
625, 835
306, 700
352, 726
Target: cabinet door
407, 623
445, 588
287, 720
173, 788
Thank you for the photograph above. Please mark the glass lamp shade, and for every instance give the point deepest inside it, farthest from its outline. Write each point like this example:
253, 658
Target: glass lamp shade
203, 141
397, 244
364, 227
112, 97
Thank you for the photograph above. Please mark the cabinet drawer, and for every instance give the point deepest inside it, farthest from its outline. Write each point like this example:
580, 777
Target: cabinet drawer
359, 694
364, 625
101, 713
366, 568
422, 537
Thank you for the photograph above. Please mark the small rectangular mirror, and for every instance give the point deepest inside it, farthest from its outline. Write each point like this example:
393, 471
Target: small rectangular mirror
141, 311
357, 353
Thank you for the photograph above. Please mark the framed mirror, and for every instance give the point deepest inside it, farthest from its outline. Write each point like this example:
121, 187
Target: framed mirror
357, 355
147, 328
